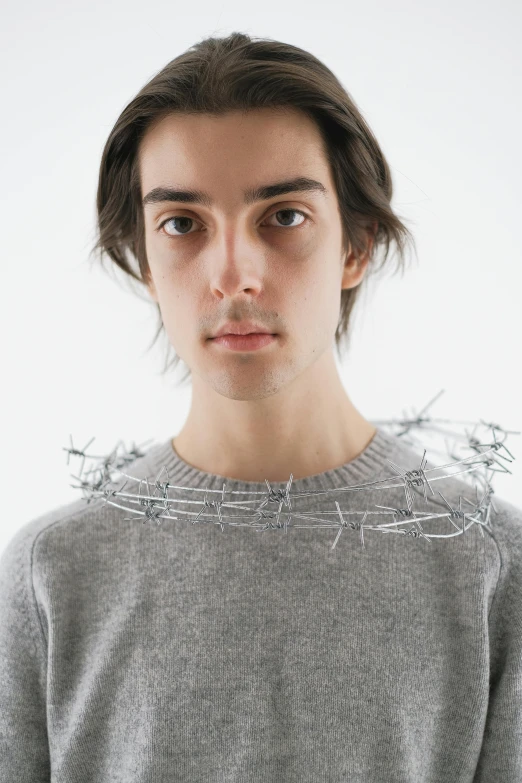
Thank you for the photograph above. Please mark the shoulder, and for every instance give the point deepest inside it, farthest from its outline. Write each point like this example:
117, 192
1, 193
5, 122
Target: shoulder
506, 526
22, 548
464, 489
55, 532
505, 535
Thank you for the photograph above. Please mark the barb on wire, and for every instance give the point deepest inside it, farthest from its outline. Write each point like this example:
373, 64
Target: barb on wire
487, 457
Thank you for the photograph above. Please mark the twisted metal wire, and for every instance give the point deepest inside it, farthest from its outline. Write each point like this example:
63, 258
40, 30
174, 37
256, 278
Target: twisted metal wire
478, 469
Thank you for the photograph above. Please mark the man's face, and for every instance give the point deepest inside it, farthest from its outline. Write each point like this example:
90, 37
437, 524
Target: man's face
234, 260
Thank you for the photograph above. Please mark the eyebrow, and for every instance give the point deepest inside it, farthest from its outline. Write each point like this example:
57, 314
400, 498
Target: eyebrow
250, 196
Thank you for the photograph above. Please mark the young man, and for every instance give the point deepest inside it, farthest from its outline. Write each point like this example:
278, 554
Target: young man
269, 262
208, 651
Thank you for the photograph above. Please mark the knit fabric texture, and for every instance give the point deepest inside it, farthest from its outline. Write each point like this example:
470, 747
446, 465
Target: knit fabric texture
133, 652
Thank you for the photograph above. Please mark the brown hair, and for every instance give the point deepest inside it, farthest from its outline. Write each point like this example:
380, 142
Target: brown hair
219, 75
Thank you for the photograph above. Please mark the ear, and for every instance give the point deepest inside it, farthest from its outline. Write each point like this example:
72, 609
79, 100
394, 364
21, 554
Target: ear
355, 267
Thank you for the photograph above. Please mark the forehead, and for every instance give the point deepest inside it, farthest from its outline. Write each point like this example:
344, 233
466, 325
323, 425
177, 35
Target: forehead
244, 145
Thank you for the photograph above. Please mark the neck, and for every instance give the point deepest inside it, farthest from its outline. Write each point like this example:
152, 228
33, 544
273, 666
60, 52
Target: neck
307, 428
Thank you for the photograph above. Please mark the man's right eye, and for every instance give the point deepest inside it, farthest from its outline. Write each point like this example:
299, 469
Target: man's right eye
172, 219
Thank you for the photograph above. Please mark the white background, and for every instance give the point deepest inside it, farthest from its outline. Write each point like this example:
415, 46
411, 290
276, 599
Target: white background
439, 85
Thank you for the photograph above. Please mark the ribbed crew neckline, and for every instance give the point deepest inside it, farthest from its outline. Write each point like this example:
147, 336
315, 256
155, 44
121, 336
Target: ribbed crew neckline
369, 465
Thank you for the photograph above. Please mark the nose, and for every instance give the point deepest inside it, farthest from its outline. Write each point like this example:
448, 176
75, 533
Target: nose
237, 261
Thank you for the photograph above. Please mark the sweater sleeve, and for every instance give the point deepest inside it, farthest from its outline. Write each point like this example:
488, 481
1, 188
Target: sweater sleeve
501, 753
24, 747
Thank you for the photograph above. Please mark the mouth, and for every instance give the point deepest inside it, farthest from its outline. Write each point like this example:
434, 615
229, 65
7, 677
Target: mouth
244, 342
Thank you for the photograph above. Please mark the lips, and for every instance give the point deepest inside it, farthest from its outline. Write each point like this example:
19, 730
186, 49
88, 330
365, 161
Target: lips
241, 328
244, 342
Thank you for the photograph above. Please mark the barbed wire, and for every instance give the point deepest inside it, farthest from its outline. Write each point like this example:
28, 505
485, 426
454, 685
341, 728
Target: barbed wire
477, 471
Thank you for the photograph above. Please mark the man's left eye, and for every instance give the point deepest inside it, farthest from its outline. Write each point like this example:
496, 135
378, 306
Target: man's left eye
287, 214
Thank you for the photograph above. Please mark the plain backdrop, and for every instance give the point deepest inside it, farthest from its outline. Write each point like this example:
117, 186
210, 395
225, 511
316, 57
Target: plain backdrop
439, 85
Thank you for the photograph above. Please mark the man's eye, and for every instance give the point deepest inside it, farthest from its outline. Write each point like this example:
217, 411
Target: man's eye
287, 215
184, 228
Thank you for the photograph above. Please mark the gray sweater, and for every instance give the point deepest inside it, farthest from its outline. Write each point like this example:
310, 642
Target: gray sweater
136, 652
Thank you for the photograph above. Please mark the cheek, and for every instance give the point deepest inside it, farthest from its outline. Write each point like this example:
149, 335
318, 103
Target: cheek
318, 273
319, 298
